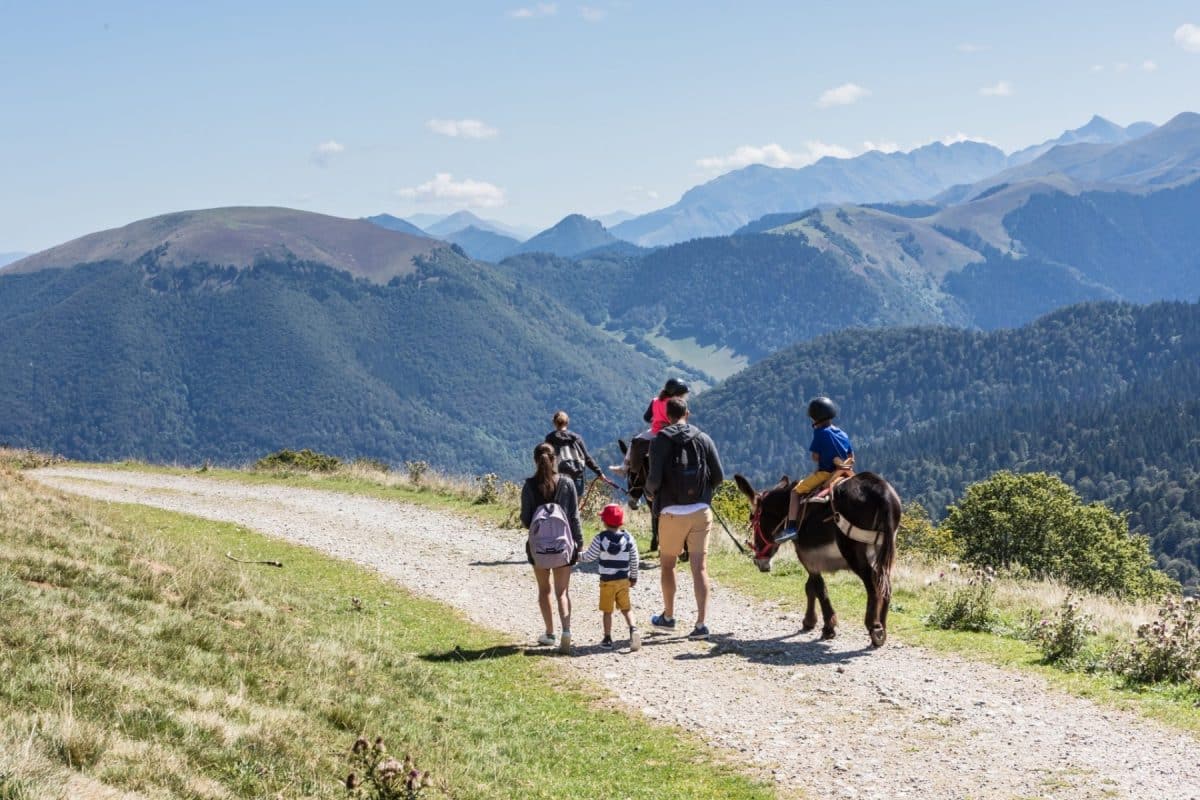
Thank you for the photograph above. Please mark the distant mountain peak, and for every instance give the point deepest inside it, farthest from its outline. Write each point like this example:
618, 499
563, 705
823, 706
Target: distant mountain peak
572, 235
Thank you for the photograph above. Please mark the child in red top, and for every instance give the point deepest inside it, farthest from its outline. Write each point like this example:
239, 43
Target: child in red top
656, 412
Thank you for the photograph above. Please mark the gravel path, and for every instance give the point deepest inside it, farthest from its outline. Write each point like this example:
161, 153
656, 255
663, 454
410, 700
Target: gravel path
832, 719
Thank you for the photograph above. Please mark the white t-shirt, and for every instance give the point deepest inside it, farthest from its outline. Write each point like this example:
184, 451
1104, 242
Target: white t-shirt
681, 511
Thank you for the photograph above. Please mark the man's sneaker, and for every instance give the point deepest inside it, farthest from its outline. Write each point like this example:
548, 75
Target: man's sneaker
564, 644
635, 640
699, 632
662, 621
785, 535
547, 639
606, 642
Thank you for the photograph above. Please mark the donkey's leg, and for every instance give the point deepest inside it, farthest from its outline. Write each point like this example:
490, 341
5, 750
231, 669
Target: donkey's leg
654, 533
871, 618
810, 613
829, 629
878, 632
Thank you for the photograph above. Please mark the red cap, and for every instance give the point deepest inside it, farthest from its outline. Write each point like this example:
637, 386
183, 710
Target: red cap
613, 516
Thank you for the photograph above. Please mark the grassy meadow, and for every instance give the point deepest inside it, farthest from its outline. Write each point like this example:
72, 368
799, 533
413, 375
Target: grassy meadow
137, 661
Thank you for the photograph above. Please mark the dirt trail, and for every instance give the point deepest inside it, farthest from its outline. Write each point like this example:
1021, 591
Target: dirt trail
833, 719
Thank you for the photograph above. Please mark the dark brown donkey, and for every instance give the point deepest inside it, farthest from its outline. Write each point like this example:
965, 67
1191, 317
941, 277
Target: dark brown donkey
855, 530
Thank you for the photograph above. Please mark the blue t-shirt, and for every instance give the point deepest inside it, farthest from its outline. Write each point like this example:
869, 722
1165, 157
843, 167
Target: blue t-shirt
830, 442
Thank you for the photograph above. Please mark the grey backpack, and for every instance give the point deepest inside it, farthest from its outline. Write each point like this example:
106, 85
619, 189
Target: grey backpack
550, 540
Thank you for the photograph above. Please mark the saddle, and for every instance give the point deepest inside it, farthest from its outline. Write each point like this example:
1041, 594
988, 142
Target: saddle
823, 494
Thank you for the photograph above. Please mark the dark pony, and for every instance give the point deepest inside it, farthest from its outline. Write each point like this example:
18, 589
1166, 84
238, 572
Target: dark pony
865, 507
637, 458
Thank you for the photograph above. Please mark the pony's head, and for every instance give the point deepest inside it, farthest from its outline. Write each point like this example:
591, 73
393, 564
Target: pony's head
768, 512
637, 467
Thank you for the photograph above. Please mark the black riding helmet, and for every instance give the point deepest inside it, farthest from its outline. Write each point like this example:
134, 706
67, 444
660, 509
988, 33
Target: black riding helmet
822, 409
675, 387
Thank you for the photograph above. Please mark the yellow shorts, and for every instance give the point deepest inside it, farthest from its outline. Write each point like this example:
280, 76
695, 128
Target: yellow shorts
676, 529
812, 482
614, 593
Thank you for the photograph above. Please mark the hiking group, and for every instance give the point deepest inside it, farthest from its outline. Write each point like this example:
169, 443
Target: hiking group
684, 470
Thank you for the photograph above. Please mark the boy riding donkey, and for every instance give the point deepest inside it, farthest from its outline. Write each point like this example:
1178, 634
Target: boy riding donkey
833, 453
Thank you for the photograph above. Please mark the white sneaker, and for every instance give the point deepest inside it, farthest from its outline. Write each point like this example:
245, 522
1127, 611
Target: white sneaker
635, 640
546, 639
564, 644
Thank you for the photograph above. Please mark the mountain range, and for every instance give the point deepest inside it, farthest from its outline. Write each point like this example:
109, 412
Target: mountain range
730, 201
200, 335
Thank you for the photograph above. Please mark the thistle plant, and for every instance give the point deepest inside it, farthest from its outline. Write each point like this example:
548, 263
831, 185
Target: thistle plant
378, 776
1063, 635
1166, 648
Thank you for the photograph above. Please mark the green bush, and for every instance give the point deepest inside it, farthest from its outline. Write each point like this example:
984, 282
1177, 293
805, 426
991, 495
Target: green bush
918, 535
416, 471
1038, 521
1167, 649
1064, 635
489, 488
968, 607
304, 460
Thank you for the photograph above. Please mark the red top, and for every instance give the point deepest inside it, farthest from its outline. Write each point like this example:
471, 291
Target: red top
658, 415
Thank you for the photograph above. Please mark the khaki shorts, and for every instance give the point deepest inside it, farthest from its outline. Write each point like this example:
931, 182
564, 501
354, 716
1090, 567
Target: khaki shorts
614, 593
813, 482
675, 529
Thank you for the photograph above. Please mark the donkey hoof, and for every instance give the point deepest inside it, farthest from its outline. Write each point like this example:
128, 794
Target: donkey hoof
828, 633
807, 626
763, 564
878, 637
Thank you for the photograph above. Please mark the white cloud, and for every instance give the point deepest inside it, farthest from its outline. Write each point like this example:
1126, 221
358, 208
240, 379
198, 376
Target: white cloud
466, 128
641, 192
1001, 89
772, 155
1149, 66
844, 95
538, 10
592, 14
1187, 36
1097, 68
325, 151
884, 146
443, 187
955, 138
969, 47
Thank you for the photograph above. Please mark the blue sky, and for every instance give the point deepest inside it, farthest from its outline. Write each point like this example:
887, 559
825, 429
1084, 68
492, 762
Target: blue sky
115, 111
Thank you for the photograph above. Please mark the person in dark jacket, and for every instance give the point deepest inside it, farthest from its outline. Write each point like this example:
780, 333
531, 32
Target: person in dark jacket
547, 486
685, 469
572, 453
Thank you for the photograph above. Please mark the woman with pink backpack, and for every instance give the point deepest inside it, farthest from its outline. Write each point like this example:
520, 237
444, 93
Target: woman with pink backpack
550, 510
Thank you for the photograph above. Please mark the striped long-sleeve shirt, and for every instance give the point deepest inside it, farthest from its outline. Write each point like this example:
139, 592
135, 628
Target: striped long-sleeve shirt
616, 553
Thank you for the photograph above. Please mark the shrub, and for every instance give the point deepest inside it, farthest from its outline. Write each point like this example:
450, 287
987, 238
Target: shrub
305, 460
489, 488
1166, 649
379, 776
1038, 521
918, 535
416, 471
968, 607
1064, 635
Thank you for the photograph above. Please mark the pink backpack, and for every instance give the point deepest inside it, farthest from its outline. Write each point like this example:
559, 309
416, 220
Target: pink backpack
550, 539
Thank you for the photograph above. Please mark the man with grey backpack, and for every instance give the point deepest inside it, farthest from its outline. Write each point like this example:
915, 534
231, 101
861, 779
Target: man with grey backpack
685, 469
550, 510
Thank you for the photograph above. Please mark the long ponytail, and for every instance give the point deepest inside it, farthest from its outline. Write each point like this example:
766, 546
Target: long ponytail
546, 475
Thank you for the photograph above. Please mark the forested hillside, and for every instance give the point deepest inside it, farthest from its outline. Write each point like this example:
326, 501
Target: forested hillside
1103, 394
453, 364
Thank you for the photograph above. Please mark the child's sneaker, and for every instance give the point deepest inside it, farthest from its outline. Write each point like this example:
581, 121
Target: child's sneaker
547, 639
699, 632
606, 642
635, 640
662, 621
564, 644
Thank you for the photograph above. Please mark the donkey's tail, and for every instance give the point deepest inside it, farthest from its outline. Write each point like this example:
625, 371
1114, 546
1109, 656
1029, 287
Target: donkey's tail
885, 552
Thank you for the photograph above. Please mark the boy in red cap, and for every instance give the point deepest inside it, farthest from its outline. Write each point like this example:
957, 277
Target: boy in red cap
617, 555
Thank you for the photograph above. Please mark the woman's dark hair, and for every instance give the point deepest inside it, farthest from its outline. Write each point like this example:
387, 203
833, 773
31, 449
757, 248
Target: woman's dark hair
673, 388
546, 476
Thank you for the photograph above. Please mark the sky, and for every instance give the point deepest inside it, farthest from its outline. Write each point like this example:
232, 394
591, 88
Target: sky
524, 112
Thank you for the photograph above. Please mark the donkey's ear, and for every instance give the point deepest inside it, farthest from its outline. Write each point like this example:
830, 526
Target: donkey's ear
624, 447
784, 482
744, 486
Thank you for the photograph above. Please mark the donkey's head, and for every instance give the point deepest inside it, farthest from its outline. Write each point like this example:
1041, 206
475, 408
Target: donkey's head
768, 512
637, 468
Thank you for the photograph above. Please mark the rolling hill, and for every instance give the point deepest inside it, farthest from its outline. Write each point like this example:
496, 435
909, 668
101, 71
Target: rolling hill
296, 330
484, 245
1102, 394
396, 224
572, 235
